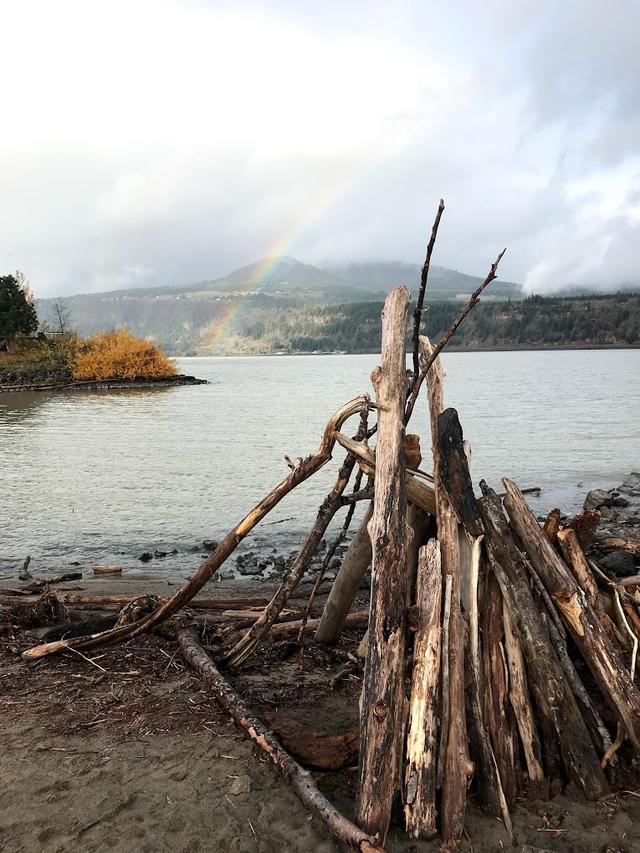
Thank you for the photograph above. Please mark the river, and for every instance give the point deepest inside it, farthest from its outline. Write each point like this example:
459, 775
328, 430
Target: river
100, 477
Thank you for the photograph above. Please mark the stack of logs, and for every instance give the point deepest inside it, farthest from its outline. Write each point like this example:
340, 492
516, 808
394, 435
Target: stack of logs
499, 658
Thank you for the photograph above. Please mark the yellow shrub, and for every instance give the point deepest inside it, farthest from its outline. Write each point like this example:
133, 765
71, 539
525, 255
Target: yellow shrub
120, 355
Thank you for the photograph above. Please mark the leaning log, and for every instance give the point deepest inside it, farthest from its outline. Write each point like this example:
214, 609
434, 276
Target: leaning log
602, 657
305, 469
301, 780
383, 687
422, 736
346, 585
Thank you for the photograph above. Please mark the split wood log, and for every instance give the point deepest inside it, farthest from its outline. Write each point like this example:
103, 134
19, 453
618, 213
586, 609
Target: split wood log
455, 767
422, 736
383, 698
562, 724
259, 734
418, 492
345, 586
305, 469
602, 657
577, 562
521, 703
456, 482
256, 634
498, 713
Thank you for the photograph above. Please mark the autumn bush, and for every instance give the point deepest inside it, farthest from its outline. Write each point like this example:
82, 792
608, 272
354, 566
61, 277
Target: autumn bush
119, 355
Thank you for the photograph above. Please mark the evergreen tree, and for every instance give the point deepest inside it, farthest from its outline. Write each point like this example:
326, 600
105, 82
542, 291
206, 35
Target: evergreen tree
17, 309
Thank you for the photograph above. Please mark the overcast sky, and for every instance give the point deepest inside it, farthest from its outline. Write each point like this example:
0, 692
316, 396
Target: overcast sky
151, 142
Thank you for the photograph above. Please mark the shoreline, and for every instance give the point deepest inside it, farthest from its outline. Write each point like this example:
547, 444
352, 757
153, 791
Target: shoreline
465, 349
105, 384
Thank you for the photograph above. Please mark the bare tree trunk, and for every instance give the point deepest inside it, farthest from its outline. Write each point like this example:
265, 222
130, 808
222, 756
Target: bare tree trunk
259, 734
383, 688
346, 584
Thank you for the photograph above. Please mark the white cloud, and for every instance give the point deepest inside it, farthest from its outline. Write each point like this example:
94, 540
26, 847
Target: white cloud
185, 138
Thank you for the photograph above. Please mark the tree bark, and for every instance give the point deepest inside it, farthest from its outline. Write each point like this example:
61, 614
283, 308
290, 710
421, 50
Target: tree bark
383, 688
259, 734
346, 584
602, 657
422, 736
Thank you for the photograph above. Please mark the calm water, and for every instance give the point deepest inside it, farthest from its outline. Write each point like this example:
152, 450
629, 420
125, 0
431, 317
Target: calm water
102, 477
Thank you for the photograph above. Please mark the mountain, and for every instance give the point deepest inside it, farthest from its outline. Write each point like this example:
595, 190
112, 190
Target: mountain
444, 283
212, 316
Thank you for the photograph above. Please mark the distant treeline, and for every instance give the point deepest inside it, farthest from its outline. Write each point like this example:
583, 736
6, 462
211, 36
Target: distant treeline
612, 320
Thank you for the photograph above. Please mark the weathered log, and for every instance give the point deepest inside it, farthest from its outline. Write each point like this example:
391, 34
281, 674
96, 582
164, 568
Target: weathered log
305, 469
602, 657
315, 749
456, 765
577, 562
496, 706
617, 543
259, 734
424, 276
345, 586
383, 686
563, 728
53, 579
357, 619
455, 480
521, 703
422, 735
331, 550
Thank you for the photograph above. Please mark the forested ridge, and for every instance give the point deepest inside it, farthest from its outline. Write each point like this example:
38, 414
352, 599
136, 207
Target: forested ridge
611, 320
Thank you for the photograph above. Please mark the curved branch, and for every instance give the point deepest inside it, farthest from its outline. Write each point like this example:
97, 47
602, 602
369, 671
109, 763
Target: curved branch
303, 471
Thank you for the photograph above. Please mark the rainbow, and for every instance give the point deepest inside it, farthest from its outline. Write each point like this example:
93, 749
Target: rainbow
219, 331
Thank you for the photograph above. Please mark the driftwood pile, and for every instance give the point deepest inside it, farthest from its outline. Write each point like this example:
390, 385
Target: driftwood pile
499, 660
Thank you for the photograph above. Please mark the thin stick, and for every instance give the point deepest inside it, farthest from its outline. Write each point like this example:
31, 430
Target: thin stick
417, 314
475, 298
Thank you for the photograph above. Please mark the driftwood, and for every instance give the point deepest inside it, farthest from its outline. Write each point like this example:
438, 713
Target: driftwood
315, 749
563, 727
383, 685
424, 276
455, 767
552, 526
422, 735
301, 472
602, 657
260, 735
346, 585
616, 543
417, 492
